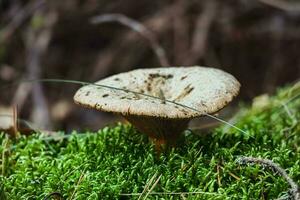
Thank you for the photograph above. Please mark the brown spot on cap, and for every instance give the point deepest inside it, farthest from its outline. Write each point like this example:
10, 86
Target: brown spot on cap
184, 77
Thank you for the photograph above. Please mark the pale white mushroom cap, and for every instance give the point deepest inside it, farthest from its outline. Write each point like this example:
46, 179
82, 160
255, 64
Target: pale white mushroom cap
205, 89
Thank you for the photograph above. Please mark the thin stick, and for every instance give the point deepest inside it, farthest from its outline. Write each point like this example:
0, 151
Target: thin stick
27, 123
138, 93
171, 193
232, 174
78, 183
15, 118
138, 27
147, 186
295, 190
37, 130
153, 186
218, 176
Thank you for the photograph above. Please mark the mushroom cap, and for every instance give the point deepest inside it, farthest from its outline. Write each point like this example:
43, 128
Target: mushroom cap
205, 89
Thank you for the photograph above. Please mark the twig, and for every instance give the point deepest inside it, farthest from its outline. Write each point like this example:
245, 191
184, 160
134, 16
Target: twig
147, 186
160, 23
29, 126
153, 186
78, 183
232, 174
141, 94
15, 119
282, 5
171, 193
218, 176
138, 27
8, 121
295, 190
138, 93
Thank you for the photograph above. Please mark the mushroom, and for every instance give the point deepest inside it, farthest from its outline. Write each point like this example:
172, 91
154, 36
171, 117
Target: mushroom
207, 90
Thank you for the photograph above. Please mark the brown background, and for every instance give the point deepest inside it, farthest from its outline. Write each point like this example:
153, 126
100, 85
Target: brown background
257, 41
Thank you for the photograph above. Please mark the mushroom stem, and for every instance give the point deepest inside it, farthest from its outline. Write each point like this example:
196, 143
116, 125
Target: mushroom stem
161, 130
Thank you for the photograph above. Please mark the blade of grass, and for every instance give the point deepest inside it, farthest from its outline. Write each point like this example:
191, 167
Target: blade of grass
137, 93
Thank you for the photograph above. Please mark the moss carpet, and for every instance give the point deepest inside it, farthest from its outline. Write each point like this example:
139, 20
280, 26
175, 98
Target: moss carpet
119, 163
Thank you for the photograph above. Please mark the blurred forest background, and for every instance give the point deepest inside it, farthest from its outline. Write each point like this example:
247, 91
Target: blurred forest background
257, 41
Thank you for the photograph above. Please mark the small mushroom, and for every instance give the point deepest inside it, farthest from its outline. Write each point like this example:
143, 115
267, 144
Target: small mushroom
207, 90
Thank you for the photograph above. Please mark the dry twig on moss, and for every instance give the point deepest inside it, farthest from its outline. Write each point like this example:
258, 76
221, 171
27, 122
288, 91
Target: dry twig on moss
294, 192
138, 27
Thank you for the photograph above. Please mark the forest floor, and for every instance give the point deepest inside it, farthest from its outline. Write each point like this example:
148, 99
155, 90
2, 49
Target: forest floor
120, 163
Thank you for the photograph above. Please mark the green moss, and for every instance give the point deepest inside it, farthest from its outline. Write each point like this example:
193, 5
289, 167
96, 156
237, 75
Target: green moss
119, 160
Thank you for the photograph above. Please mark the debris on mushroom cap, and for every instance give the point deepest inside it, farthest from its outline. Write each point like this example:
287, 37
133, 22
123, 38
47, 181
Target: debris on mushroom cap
204, 89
